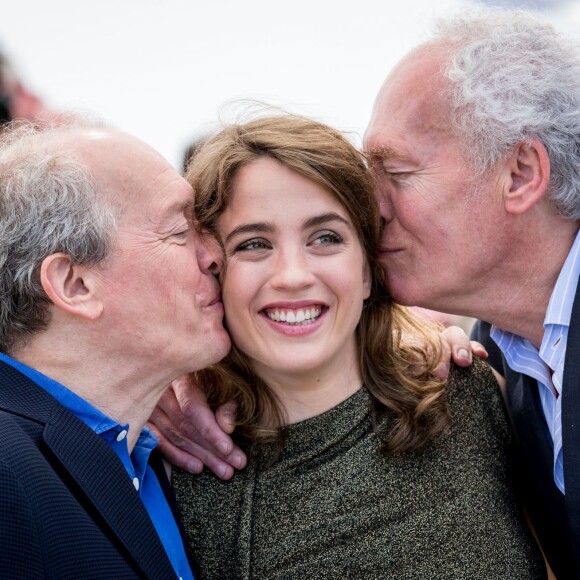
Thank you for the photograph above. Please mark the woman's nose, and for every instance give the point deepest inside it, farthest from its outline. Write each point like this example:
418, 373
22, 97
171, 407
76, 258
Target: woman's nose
292, 270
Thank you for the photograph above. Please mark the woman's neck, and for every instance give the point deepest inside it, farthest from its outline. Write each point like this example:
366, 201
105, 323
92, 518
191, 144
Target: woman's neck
305, 395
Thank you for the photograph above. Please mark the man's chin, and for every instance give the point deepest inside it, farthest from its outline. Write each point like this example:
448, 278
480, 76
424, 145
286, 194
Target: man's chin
218, 345
402, 293
223, 344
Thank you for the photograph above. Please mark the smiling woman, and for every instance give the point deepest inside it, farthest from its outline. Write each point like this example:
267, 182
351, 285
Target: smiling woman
295, 285
361, 464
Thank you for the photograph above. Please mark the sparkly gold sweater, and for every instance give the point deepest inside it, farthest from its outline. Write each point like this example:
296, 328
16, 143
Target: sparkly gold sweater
333, 507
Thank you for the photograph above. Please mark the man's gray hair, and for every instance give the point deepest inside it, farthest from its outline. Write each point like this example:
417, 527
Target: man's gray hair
514, 78
48, 204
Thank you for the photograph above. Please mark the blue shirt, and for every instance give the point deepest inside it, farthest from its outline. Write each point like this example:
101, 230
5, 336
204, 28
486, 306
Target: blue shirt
142, 475
547, 364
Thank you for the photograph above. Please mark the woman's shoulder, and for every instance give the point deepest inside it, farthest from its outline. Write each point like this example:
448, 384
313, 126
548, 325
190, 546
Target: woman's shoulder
475, 399
476, 380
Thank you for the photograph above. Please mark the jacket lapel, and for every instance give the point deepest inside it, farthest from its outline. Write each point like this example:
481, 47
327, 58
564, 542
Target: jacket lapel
103, 479
156, 463
571, 423
544, 500
531, 429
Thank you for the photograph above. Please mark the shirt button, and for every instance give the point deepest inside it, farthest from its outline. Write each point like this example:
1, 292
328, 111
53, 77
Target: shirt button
122, 435
136, 483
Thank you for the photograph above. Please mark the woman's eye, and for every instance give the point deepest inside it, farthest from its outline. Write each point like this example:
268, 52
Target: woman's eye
328, 238
254, 244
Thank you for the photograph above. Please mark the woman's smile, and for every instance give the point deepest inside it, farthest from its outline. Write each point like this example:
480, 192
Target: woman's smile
293, 315
295, 322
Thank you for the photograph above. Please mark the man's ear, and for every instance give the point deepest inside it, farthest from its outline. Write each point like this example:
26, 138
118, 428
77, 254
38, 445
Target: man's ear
528, 173
367, 280
70, 287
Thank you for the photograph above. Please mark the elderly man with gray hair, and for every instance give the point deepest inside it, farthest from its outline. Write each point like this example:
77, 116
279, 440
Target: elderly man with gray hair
107, 294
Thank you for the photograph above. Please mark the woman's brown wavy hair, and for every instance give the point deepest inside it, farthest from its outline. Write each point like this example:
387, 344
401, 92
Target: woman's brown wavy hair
398, 351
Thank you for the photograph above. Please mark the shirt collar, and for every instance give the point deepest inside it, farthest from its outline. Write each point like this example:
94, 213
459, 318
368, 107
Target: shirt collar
87, 413
562, 299
559, 309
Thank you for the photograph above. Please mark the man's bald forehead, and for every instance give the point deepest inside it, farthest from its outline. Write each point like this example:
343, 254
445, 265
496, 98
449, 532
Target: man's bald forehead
422, 78
413, 99
90, 143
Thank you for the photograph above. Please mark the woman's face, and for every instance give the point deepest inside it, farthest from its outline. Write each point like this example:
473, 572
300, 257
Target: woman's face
295, 277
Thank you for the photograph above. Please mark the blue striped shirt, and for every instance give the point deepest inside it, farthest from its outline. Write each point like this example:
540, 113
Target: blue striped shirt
547, 364
142, 475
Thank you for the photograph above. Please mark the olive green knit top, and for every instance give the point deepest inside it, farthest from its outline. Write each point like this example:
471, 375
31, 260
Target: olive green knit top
332, 506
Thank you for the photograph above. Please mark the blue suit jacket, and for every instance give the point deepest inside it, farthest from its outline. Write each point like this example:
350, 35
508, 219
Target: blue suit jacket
67, 507
556, 517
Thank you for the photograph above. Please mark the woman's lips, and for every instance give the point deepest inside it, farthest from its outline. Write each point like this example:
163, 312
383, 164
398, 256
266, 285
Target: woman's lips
305, 315
296, 320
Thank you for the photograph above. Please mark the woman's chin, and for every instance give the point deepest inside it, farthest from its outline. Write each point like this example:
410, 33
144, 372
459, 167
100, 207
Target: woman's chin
290, 365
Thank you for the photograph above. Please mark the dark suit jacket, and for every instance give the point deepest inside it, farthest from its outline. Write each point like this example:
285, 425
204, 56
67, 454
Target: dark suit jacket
556, 517
67, 507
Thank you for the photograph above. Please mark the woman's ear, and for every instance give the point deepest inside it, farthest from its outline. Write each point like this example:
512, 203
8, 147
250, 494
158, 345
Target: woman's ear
71, 287
528, 173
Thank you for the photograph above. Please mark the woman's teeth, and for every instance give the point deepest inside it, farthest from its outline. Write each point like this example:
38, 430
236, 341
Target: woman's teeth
300, 316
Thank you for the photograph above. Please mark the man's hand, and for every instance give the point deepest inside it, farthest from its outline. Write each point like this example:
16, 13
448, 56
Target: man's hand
457, 346
191, 436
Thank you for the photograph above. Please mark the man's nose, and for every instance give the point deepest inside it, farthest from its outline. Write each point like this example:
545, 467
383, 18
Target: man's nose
382, 197
209, 254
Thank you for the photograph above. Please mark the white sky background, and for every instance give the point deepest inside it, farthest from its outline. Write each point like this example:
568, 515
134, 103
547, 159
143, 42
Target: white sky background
161, 69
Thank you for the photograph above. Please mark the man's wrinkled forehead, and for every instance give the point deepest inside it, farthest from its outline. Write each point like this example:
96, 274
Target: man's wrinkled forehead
137, 181
413, 98
123, 166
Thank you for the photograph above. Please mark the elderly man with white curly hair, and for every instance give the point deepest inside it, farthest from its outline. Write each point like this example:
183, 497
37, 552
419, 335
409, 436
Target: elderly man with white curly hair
475, 139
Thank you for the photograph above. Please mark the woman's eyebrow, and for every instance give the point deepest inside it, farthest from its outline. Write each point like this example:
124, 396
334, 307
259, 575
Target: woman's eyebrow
324, 219
255, 228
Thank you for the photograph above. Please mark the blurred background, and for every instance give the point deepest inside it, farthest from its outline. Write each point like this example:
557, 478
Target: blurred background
163, 69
